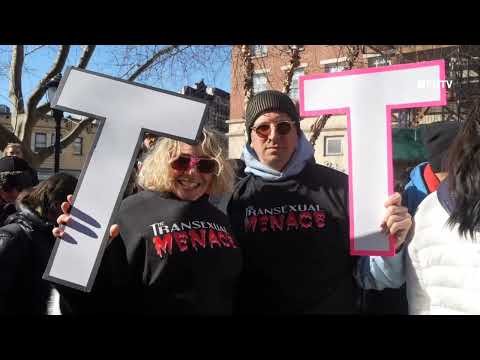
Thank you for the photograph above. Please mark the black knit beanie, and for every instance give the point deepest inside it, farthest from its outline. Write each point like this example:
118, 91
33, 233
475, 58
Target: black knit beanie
269, 101
437, 138
15, 173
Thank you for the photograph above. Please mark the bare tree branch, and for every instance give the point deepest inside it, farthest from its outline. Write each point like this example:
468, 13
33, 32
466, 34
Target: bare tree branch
293, 64
248, 66
420, 115
82, 64
149, 62
43, 109
15, 89
317, 128
23, 131
86, 56
35, 49
6, 136
54, 70
376, 49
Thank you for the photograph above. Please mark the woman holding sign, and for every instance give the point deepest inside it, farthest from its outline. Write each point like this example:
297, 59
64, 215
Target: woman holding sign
444, 255
175, 254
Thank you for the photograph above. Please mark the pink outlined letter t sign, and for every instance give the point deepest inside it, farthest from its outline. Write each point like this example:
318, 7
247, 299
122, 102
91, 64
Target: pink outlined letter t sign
367, 97
126, 110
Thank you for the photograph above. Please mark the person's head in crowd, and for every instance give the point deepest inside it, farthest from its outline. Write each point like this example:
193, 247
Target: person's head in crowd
272, 124
464, 175
437, 139
238, 166
149, 141
188, 171
15, 175
46, 198
13, 149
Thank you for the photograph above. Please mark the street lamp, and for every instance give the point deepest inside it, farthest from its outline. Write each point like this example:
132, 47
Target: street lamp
52, 86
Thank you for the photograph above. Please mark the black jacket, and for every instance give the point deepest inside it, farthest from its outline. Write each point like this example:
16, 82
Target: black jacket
26, 242
6, 209
294, 239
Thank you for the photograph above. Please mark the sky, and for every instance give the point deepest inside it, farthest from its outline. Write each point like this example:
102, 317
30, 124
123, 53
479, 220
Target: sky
38, 61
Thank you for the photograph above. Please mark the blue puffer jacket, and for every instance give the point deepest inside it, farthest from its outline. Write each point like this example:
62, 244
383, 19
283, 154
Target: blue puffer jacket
416, 190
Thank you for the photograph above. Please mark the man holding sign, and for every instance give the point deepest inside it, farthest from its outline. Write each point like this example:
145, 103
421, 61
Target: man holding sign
290, 217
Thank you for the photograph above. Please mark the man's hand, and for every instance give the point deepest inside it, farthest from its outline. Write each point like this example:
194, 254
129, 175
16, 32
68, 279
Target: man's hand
397, 220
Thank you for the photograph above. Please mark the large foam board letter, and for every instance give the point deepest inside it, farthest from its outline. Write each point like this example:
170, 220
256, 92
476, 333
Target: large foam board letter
367, 97
125, 110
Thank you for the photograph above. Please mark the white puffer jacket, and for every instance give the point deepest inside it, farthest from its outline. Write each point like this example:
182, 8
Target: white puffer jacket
442, 268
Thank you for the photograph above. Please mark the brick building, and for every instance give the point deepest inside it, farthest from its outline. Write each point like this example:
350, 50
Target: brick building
271, 61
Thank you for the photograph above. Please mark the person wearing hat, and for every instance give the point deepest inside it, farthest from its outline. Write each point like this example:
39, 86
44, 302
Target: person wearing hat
15, 149
15, 175
290, 217
426, 176
148, 143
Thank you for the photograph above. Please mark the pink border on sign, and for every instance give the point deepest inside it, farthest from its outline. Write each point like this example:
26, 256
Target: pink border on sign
389, 108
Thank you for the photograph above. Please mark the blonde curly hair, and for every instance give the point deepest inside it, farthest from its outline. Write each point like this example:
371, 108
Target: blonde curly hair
157, 175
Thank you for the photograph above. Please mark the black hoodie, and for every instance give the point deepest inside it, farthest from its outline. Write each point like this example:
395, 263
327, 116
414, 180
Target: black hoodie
294, 238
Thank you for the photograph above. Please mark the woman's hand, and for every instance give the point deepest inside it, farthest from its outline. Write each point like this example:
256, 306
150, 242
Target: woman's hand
65, 218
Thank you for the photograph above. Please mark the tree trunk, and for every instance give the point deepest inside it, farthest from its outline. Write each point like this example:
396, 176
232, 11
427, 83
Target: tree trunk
248, 74
293, 64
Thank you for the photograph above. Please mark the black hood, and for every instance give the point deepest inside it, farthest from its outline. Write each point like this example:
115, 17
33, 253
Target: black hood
28, 218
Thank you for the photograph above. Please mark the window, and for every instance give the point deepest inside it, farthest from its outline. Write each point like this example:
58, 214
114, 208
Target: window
294, 86
52, 138
258, 50
335, 67
333, 145
40, 141
78, 146
378, 61
259, 83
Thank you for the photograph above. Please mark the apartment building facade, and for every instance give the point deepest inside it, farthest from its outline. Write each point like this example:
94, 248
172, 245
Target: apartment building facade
270, 63
72, 157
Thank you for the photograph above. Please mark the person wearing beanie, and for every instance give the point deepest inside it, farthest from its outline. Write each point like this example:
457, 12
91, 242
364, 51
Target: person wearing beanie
15, 149
426, 176
290, 217
15, 175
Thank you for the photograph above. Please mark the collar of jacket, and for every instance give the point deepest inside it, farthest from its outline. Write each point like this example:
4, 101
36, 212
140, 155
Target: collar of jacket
303, 154
26, 213
445, 197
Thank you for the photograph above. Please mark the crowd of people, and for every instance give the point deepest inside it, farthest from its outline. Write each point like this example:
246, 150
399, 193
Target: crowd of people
198, 234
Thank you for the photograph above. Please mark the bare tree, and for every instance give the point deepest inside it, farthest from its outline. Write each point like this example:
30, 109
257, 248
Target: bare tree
294, 62
248, 66
136, 61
